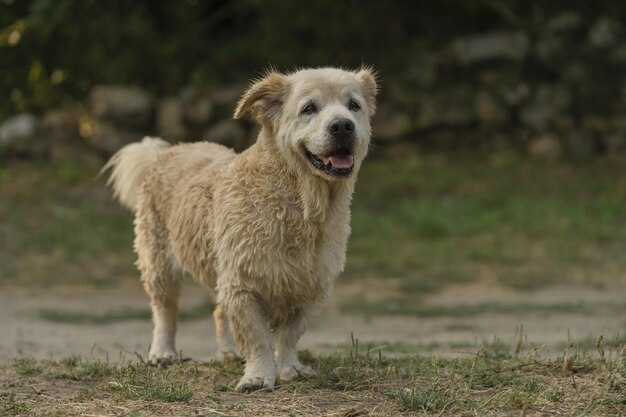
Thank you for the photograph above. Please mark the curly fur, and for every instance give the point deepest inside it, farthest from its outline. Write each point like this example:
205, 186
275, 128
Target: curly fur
263, 228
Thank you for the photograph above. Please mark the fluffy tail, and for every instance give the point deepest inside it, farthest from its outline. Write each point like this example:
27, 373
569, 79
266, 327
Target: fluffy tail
129, 166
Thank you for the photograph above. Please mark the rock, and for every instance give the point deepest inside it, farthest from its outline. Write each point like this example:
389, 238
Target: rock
495, 46
615, 143
108, 138
128, 106
389, 124
605, 32
565, 22
549, 48
489, 112
546, 104
452, 107
596, 124
575, 73
619, 54
228, 133
60, 128
580, 144
60, 125
227, 96
514, 95
545, 148
197, 108
19, 135
170, 119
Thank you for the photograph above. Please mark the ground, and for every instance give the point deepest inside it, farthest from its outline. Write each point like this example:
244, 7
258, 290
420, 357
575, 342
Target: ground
475, 285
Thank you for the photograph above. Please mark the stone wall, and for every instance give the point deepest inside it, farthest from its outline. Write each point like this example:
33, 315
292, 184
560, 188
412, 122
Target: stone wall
555, 90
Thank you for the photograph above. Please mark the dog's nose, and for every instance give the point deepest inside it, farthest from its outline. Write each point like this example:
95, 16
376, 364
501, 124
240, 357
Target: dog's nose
341, 127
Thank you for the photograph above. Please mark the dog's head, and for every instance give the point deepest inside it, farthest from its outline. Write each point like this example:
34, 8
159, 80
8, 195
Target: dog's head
321, 117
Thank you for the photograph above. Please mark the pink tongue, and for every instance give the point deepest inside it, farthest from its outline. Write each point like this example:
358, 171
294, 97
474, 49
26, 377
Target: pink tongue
341, 162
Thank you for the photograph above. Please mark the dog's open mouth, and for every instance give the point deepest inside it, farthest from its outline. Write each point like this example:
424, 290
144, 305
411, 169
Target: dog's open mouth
338, 164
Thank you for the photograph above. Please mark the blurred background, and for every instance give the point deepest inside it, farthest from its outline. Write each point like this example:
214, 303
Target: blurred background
494, 195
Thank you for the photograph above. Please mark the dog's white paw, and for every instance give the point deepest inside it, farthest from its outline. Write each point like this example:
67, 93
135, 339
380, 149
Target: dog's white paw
252, 383
230, 356
297, 371
162, 356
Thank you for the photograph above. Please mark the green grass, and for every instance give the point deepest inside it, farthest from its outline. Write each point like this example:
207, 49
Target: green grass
420, 223
467, 310
59, 227
493, 380
424, 222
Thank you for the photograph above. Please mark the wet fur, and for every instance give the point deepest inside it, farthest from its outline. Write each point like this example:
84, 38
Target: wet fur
263, 228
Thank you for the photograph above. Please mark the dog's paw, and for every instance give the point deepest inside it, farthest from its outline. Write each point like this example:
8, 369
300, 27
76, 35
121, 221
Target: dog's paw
230, 356
293, 372
163, 357
249, 384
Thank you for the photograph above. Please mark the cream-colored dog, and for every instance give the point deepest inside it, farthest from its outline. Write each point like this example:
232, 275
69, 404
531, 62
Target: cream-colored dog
267, 228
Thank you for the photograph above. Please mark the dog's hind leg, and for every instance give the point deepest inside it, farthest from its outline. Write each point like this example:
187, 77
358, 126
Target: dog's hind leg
226, 349
287, 336
161, 276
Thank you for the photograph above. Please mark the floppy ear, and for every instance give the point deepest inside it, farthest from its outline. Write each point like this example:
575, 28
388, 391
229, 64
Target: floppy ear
264, 99
367, 78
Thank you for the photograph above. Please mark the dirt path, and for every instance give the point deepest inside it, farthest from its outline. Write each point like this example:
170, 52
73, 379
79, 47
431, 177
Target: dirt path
23, 332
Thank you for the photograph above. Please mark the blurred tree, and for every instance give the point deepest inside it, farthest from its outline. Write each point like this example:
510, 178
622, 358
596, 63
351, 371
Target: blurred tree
53, 51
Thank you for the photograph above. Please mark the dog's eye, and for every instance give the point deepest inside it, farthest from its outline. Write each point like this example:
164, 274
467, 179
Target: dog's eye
354, 106
309, 109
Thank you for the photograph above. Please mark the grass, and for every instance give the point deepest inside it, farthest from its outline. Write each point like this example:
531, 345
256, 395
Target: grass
420, 223
469, 310
60, 227
493, 381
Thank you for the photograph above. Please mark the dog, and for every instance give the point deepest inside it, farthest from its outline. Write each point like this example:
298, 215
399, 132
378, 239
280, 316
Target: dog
266, 228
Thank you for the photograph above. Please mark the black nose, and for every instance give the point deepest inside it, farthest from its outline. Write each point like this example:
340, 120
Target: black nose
341, 127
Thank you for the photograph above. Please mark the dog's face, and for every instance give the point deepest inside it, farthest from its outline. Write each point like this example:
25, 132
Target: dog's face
319, 117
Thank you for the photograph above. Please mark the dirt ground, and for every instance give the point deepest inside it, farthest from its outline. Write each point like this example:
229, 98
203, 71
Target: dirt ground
24, 333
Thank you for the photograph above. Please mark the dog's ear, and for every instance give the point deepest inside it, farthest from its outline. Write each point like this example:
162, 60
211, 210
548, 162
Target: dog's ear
264, 98
367, 77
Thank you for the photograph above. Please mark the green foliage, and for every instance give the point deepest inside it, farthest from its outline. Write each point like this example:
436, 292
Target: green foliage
52, 52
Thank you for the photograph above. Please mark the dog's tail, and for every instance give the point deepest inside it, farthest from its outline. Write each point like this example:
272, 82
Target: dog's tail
129, 166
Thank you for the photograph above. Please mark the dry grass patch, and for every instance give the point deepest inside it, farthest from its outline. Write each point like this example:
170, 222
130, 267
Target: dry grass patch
491, 382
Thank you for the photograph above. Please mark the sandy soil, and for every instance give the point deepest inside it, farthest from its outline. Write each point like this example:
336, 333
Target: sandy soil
22, 332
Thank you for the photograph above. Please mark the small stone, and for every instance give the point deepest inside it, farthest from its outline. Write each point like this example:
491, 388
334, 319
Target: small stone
490, 113
495, 46
128, 106
389, 124
197, 110
451, 107
228, 133
605, 32
60, 125
580, 144
545, 148
108, 138
19, 135
615, 143
227, 96
565, 22
170, 119
546, 104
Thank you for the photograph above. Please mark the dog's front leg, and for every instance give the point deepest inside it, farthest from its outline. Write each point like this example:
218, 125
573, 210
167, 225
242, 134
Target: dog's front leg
254, 339
287, 336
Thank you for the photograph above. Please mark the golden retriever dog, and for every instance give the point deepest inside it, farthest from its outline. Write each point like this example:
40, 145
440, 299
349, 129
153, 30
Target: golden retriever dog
266, 228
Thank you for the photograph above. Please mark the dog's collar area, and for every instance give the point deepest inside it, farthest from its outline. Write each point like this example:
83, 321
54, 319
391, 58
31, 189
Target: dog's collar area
328, 168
